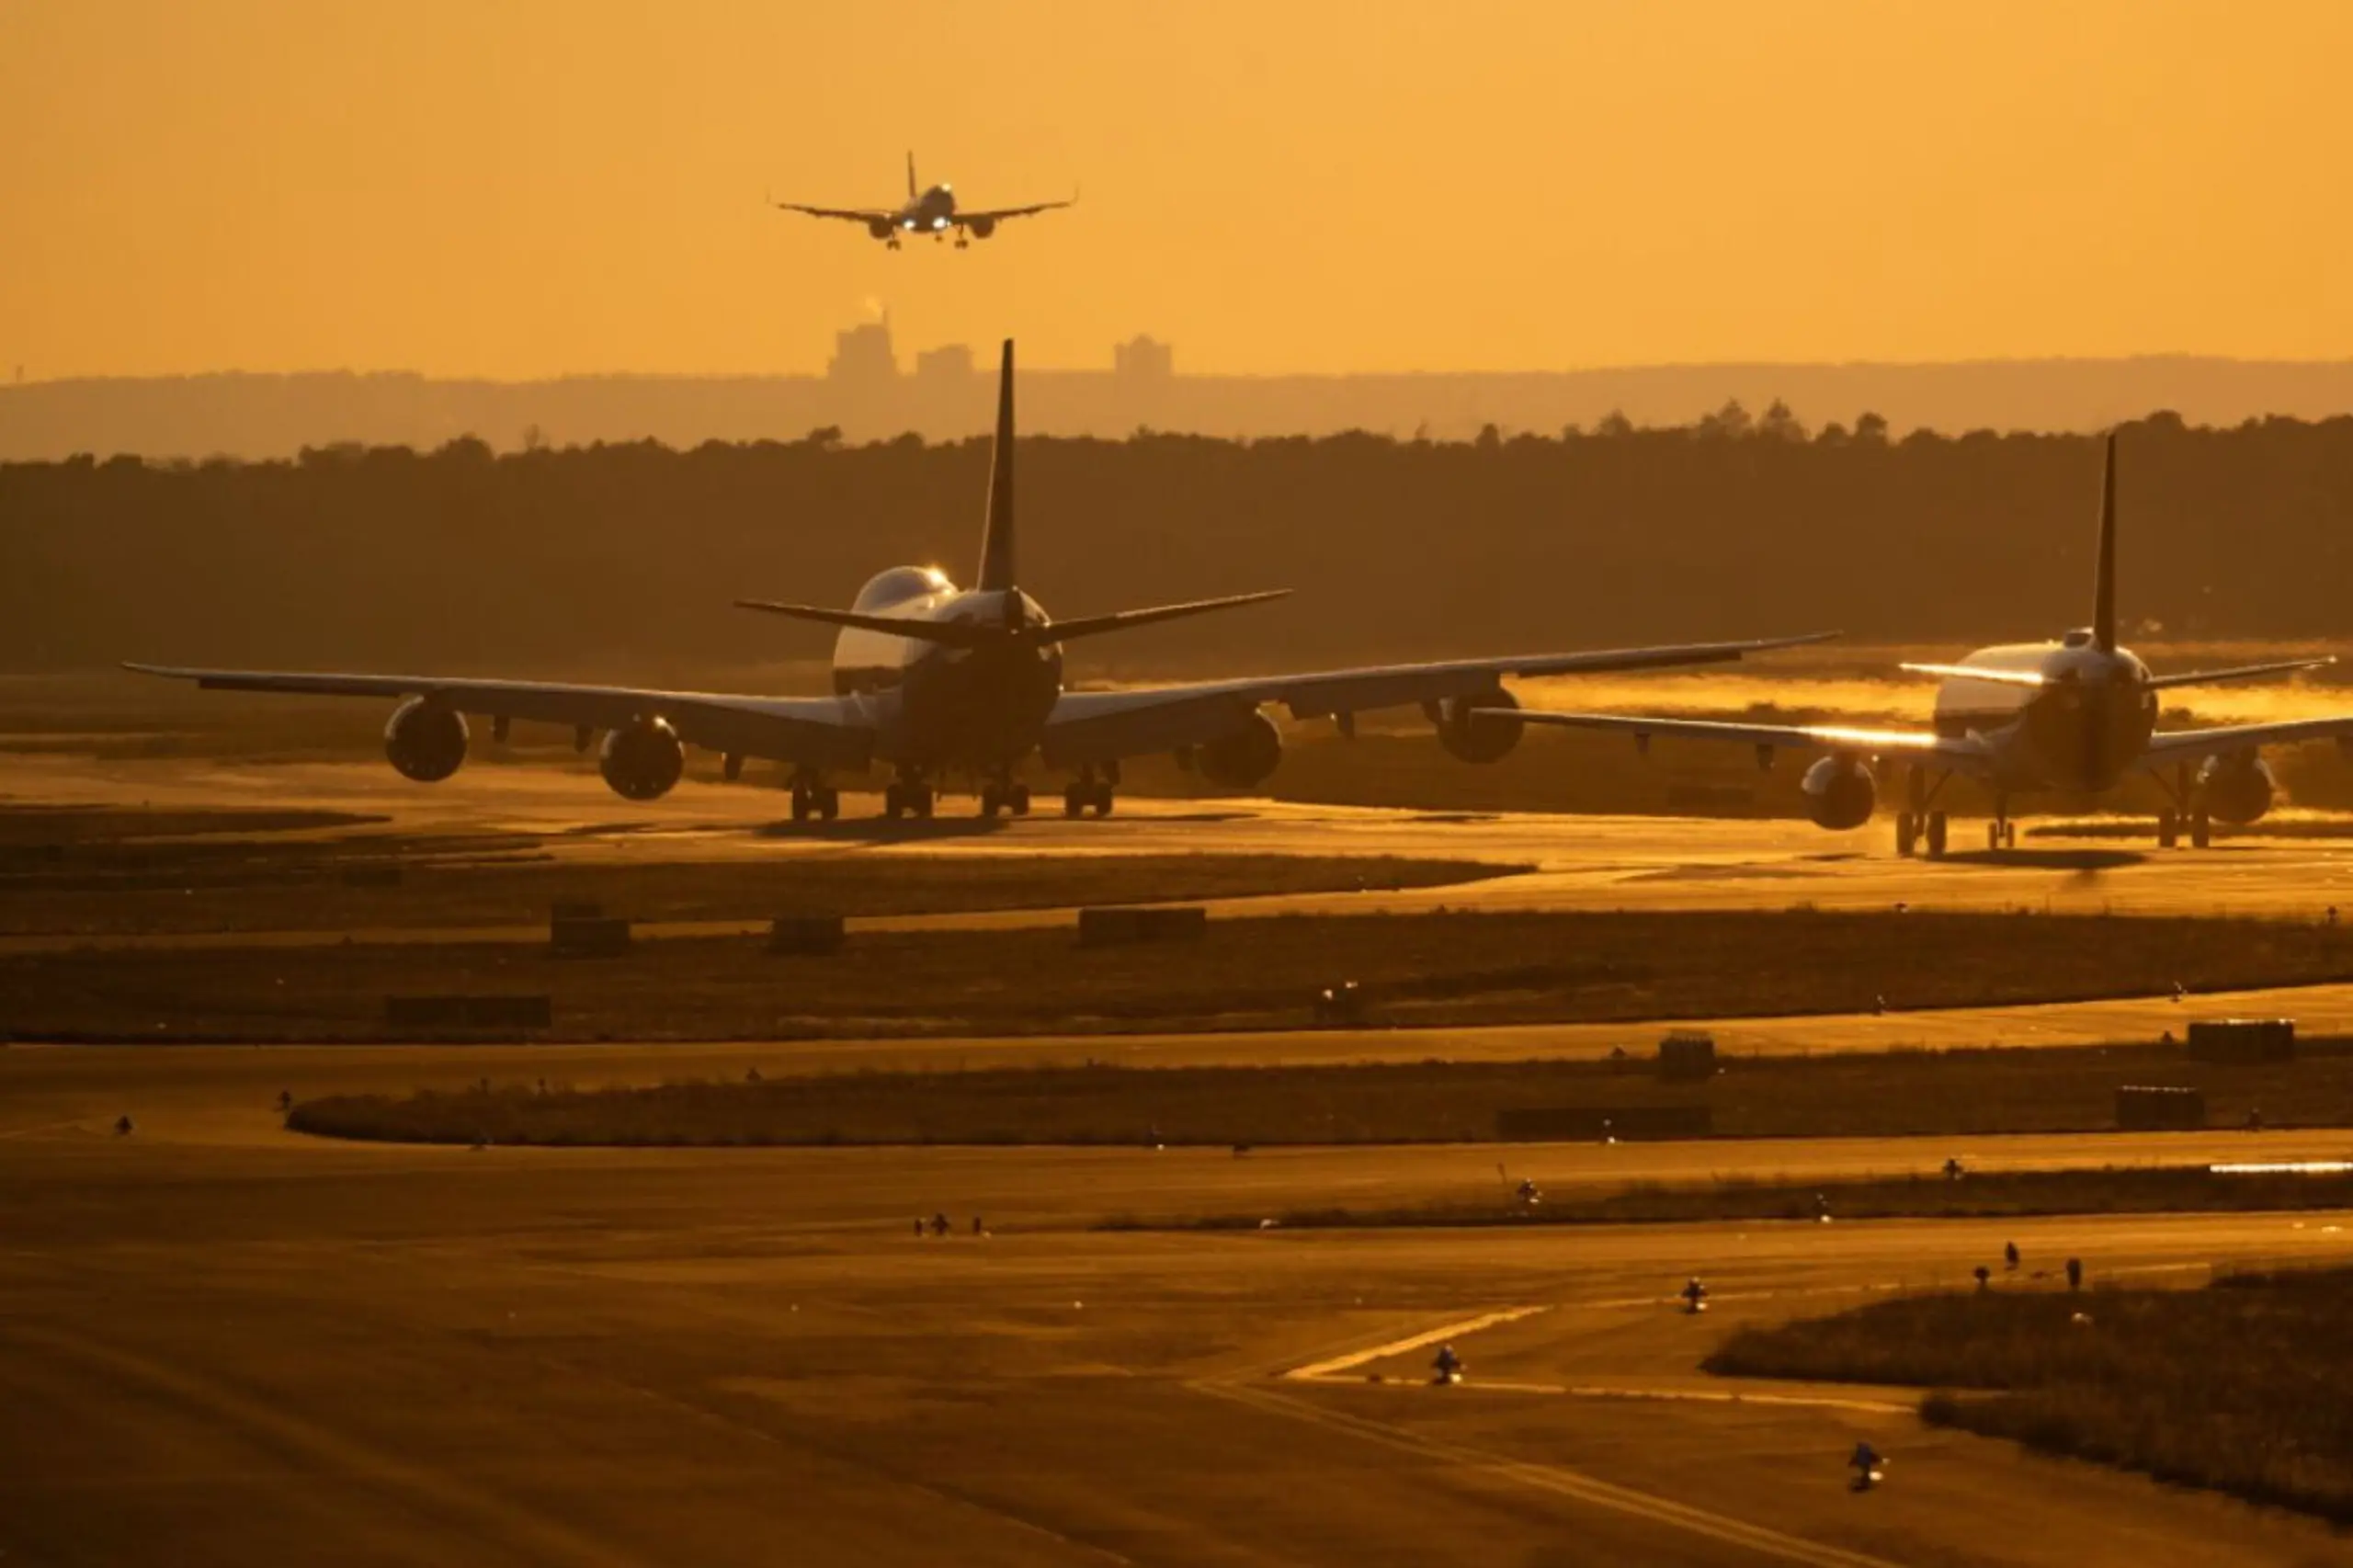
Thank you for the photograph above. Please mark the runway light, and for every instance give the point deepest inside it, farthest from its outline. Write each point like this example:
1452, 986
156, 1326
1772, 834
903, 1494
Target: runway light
2284, 1167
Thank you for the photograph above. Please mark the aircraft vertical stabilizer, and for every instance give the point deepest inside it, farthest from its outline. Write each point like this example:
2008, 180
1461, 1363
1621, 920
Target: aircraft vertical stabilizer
912, 191
2104, 583
997, 575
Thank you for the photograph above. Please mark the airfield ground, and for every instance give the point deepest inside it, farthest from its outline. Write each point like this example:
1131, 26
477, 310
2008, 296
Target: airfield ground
262, 1347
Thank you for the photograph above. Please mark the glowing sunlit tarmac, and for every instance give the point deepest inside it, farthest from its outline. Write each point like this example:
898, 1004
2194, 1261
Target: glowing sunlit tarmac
260, 1346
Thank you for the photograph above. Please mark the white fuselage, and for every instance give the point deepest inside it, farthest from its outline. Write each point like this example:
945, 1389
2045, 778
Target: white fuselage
936, 706
2080, 730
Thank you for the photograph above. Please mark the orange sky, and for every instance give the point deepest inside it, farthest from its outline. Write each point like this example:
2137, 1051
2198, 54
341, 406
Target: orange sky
520, 187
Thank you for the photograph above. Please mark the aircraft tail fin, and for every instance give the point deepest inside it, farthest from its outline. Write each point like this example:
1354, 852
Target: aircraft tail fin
912, 191
997, 574
2104, 581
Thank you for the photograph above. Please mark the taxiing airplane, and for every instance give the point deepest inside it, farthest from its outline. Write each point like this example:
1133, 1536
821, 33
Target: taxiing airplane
2078, 716
937, 681
928, 211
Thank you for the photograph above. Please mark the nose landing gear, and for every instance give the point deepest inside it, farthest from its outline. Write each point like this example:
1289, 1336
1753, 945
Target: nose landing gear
1004, 794
907, 795
812, 797
1089, 791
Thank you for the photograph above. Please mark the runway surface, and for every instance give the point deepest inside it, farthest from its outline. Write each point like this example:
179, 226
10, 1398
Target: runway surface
261, 1347
1583, 862
223, 1343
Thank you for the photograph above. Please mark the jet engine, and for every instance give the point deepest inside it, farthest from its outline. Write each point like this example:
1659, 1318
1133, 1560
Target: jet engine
879, 227
982, 227
1246, 757
425, 741
1477, 737
643, 759
2236, 788
1839, 793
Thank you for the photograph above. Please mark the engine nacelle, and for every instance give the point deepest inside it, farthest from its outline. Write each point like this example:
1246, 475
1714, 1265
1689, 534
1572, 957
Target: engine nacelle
1839, 793
643, 759
2238, 789
425, 741
1244, 759
1471, 736
982, 227
881, 227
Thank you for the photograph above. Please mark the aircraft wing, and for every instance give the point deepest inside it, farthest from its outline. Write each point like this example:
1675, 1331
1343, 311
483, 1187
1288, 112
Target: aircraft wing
1958, 750
998, 214
821, 731
1097, 726
2192, 745
853, 214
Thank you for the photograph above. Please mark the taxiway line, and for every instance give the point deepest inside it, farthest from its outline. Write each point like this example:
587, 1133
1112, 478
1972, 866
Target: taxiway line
1559, 1482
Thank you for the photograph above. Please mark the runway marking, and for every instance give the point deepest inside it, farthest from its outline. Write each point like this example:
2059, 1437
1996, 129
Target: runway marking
1558, 1481
1316, 1370
1698, 1397
540, 1539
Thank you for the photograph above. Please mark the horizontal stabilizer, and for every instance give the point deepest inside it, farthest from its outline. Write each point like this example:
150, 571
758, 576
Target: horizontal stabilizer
1126, 620
952, 633
2237, 672
1973, 671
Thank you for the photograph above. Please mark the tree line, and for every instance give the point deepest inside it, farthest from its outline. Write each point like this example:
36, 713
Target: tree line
623, 555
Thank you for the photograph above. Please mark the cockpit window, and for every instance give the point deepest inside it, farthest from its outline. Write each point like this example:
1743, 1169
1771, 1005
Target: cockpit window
901, 584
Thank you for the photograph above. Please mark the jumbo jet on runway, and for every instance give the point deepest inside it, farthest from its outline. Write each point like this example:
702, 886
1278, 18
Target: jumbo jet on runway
928, 211
2078, 715
937, 681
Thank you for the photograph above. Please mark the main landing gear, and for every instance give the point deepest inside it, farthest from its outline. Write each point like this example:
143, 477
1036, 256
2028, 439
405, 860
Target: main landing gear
812, 797
2187, 813
1003, 794
2000, 833
1089, 791
1918, 827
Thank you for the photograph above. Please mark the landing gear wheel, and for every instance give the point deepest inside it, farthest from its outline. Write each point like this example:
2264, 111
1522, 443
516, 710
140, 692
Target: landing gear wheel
1017, 798
2201, 831
2168, 830
895, 802
990, 803
829, 803
1103, 799
1993, 835
1937, 828
2009, 835
919, 801
801, 804
1074, 800
1908, 834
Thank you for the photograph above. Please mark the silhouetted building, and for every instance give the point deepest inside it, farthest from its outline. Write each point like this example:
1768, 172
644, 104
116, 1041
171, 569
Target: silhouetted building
1143, 361
863, 356
950, 364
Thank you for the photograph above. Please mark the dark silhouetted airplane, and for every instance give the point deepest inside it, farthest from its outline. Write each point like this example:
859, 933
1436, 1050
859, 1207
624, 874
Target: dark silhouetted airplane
2074, 716
928, 211
934, 680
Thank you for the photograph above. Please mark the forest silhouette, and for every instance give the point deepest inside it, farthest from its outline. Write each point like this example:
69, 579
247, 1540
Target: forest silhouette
613, 557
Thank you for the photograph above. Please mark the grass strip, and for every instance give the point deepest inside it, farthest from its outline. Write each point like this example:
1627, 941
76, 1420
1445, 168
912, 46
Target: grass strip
2244, 1387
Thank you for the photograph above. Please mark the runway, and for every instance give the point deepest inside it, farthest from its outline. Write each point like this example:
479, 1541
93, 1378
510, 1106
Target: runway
250, 1343
1580, 862
260, 1347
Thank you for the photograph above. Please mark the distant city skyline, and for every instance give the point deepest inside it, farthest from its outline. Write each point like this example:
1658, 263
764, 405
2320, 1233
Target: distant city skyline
545, 188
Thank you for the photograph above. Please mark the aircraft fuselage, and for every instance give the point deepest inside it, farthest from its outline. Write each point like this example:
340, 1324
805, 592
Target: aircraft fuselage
937, 706
2080, 730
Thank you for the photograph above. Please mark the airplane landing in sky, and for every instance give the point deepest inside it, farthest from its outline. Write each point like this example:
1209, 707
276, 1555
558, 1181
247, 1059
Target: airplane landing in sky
2075, 716
929, 210
934, 681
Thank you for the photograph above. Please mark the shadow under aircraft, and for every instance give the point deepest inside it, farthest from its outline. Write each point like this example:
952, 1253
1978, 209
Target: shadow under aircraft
2075, 716
939, 683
